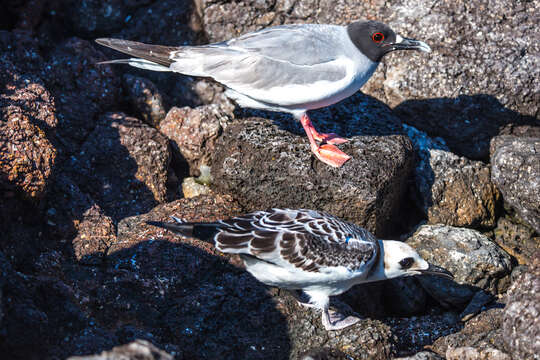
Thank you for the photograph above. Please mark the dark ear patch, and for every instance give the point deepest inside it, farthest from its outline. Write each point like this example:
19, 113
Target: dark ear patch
406, 263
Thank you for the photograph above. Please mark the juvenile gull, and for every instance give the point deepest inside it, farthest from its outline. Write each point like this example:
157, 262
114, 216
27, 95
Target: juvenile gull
289, 68
310, 251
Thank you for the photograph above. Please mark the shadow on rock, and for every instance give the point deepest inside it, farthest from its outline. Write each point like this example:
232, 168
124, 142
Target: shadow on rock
189, 303
466, 123
357, 115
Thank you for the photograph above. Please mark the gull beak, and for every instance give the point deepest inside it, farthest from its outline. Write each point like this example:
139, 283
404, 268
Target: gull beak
437, 271
410, 44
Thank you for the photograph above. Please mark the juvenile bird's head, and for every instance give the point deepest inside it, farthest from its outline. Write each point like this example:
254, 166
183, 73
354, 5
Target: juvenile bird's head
399, 259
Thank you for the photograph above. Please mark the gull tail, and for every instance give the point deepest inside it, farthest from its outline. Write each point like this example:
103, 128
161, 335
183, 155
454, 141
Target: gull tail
201, 231
149, 57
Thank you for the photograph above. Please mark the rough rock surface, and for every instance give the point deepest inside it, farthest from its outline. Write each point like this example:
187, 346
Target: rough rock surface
452, 190
480, 338
76, 218
521, 325
137, 181
259, 159
146, 98
81, 89
517, 238
515, 169
470, 256
137, 350
194, 132
28, 122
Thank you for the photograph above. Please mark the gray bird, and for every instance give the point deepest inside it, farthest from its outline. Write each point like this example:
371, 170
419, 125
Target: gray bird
288, 68
310, 251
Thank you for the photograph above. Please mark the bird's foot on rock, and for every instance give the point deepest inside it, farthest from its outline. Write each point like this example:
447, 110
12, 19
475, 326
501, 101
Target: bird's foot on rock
331, 138
331, 155
336, 321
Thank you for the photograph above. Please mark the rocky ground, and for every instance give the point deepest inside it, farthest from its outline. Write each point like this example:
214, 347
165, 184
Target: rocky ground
446, 156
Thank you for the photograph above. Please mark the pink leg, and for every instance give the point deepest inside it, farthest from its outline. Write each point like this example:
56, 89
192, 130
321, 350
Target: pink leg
327, 153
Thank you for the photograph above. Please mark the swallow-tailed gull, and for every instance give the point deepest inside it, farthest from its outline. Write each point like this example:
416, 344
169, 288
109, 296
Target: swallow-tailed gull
289, 68
310, 251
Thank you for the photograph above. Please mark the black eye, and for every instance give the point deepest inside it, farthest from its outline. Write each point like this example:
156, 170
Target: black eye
406, 263
377, 37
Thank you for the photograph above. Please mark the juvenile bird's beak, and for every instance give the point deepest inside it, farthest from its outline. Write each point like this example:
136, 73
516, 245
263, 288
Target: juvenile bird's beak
410, 44
437, 271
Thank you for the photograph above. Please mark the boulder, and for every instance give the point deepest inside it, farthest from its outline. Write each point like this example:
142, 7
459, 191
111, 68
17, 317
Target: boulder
145, 98
260, 159
475, 261
521, 324
517, 238
515, 169
27, 151
81, 88
480, 338
452, 190
123, 165
194, 132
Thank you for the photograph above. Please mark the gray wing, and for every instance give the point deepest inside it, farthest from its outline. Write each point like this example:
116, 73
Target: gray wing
304, 239
274, 57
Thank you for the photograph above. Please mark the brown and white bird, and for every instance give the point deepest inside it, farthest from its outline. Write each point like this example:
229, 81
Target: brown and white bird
288, 68
310, 251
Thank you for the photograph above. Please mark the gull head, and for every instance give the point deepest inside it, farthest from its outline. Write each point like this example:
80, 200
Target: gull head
399, 259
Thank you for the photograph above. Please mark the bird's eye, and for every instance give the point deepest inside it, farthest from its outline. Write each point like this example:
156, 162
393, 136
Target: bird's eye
377, 37
406, 263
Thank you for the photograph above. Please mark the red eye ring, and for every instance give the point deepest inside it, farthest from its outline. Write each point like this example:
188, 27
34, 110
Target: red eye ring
377, 37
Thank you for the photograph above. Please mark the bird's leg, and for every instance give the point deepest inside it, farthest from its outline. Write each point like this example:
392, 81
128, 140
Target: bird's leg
327, 153
301, 301
331, 320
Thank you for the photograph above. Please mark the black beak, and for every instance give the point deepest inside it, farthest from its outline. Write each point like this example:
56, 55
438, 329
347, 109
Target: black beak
410, 44
437, 271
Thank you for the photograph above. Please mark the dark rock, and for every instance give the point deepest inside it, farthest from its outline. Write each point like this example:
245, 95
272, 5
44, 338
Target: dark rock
521, 324
145, 98
194, 132
35, 305
423, 355
28, 154
164, 22
515, 169
139, 349
452, 190
93, 18
19, 48
516, 238
469, 255
137, 179
81, 89
466, 123
480, 338
259, 159
416, 333
404, 297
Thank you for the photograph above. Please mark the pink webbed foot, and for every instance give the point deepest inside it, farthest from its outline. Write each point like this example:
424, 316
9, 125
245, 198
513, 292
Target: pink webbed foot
328, 152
